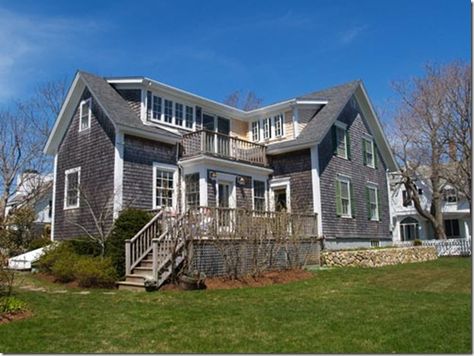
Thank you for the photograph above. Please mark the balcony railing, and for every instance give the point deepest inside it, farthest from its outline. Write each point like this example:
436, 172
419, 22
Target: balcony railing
216, 144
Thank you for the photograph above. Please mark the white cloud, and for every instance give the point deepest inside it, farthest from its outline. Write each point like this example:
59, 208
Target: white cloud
351, 34
29, 41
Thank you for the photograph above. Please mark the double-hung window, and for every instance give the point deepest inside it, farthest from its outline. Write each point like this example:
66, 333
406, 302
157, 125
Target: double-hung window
192, 190
85, 113
258, 195
178, 111
341, 142
71, 188
189, 117
168, 111
256, 131
368, 148
373, 203
156, 107
278, 119
164, 186
267, 128
344, 197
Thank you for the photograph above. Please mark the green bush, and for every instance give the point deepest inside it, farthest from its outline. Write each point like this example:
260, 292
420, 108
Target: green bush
417, 242
64, 268
11, 305
52, 254
84, 246
95, 272
38, 243
125, 227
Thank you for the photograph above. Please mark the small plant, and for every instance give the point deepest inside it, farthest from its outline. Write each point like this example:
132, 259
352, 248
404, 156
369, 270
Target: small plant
52, 254
417, 242
11, 305
7, 277
95, 272
64, 267
38, 243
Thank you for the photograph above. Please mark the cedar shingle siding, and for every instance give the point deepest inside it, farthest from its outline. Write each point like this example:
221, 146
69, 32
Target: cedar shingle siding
93, 151
330, 165
138, 157
297, 166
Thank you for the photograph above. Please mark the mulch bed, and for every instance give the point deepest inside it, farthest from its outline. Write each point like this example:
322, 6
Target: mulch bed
267, 278
49, 278
9, 317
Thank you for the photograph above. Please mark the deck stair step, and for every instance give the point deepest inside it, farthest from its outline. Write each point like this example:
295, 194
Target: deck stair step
132, 286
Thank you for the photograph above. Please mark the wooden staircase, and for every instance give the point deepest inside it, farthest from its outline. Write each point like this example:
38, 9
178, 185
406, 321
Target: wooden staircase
155, 252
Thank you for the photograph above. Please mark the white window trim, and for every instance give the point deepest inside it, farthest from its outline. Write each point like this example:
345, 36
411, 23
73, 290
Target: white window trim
174, 170
279, 115
66, 182
276, 183
376, 190
81, 106
345, 179
369, 139
339, 126
161, 119
265, 194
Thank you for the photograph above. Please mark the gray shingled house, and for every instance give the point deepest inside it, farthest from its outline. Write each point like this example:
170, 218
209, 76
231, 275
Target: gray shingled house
156, 147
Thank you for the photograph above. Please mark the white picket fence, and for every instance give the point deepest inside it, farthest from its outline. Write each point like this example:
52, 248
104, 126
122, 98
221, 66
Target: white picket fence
450, 247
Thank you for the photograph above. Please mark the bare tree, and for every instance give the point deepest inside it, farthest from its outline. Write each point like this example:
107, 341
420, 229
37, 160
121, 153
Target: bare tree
431, 109
99, 208
245, 101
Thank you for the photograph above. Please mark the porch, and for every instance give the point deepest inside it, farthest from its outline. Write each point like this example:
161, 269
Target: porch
207, 237
219, 145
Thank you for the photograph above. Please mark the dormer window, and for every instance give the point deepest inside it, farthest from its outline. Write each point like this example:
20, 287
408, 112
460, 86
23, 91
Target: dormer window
256, 131
85, 113
267, 128
450, 195
278, 125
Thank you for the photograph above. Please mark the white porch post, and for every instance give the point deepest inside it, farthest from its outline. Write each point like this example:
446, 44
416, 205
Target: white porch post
316, 187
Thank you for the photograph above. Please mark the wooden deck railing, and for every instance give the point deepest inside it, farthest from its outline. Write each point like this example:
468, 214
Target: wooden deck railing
223, 146
227, 222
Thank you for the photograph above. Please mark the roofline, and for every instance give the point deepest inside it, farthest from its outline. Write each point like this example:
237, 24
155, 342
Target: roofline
379, 127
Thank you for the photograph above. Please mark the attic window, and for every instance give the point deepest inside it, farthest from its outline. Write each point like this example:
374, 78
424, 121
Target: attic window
85, 113
278, 125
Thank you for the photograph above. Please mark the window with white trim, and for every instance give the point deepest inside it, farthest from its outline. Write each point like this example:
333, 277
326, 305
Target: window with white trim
341, 142
157, 110
71, 188
258, 195
278, 119
164, 189
178, 112
344, 197
256, 131
85, 113
189, 116
450, 195
168, 111
267, 128
368, 152
192, 190
372, 203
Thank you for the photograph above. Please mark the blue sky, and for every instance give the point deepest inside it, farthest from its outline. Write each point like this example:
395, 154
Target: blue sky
279, 49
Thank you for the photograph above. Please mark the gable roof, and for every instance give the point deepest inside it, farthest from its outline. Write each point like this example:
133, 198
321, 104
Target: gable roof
114, 106
318, 127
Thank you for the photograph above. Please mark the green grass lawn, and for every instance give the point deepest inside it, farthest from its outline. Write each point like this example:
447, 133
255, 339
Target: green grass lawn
423, 307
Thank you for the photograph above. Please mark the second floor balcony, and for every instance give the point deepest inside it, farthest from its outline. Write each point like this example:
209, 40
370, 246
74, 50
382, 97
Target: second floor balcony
215, 144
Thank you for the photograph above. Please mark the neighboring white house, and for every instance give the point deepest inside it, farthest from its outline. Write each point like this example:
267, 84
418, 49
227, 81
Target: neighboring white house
41, 187
408, 225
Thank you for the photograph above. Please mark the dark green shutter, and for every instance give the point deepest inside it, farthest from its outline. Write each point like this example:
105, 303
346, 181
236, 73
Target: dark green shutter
367, 195
375, 155
353, 207
348, 143
334, 140
379, 206
338, 199
364, 156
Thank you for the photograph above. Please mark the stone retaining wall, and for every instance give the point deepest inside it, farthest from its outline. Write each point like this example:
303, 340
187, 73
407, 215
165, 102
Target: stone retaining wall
378, 257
